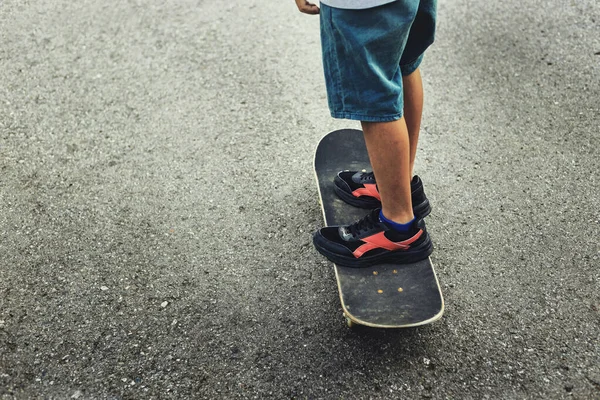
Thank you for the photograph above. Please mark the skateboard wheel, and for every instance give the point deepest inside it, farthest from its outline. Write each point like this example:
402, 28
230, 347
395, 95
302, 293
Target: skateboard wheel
349, 322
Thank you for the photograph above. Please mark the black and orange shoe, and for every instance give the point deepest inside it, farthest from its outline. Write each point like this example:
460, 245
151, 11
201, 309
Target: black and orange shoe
370, 241
360, 190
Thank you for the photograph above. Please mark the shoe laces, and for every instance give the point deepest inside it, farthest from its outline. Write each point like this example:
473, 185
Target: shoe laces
366, 223
367, 176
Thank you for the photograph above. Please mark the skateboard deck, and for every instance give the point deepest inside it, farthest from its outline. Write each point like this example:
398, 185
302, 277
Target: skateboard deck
382, 296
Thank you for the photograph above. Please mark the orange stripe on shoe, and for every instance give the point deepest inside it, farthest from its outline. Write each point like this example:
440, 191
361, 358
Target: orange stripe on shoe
379, 241
369, 190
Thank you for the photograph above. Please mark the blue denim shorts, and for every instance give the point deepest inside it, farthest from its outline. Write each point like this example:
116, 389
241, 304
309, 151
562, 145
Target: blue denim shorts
366, 53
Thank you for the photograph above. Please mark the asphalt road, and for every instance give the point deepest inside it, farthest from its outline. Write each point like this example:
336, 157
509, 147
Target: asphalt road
157, 202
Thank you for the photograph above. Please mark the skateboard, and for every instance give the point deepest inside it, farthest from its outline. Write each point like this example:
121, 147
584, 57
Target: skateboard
382, 296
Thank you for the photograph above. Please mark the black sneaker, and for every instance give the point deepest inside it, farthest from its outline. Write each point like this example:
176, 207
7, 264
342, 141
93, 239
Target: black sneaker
360, 190
370, 242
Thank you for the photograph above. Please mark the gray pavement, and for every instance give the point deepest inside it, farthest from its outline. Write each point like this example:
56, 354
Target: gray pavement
157, 202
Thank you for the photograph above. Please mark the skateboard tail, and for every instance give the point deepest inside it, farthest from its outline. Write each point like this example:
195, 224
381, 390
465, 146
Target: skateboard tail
356, 320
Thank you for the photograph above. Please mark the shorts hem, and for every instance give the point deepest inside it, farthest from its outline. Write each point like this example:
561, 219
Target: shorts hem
366, 118
407, 69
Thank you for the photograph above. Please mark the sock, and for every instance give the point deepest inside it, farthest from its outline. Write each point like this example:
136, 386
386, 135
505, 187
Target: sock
394, 225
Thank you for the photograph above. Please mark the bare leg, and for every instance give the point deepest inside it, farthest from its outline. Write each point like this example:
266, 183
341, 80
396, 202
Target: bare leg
413, 109
389, 149
392, 150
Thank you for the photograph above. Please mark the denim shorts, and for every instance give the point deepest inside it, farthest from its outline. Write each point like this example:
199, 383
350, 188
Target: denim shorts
366, 53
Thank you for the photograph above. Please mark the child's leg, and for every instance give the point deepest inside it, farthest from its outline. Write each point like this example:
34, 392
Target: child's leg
413, 109
392, 149
389, 149
366, 53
